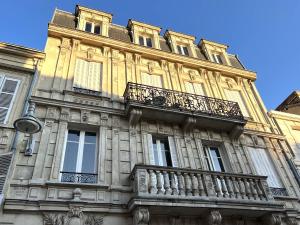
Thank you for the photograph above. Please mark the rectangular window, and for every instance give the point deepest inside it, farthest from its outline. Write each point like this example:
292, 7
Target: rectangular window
8, 90
79, 165
145, 41
88, 75
213, 159
88, 27
194, 88
235, 95
264, 166
97, 29
183, 50
162, 151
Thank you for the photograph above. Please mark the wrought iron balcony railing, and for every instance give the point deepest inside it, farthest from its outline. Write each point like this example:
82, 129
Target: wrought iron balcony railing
145, 95
153, 184
72, 177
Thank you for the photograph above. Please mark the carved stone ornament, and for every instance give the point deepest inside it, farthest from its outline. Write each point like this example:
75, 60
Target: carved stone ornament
151, 67
292, 221
74, 217
272, 220
90, 53
65, 44
192, 74
141, 216
214, 218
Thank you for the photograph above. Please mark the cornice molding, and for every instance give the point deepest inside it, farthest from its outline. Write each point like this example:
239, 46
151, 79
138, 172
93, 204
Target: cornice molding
284, 115
21, 51
88, 38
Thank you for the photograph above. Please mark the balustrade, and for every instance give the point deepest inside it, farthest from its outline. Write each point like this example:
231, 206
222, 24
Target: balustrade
187, 183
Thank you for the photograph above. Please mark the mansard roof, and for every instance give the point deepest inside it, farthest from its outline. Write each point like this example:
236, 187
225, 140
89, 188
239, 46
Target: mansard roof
292, 100
121, 33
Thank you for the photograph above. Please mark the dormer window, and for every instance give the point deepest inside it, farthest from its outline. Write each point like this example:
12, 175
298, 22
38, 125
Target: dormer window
217, 58
183, 50
145, 41
92, 28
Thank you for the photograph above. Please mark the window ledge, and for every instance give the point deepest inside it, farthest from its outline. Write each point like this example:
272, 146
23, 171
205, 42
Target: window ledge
85, 185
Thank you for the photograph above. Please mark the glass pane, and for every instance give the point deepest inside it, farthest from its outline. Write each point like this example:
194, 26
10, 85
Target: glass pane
216, 159
5, 100
88, 159
149, 42
3, 113
219, 59
155, 152
179, 49
88, 27
141, 40
97, 30
70, 157
90, 137
73, 135
168, 158
185, 50
9, 86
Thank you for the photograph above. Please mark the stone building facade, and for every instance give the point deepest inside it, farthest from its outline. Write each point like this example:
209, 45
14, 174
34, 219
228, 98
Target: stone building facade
287, 118
17, 68
140, 128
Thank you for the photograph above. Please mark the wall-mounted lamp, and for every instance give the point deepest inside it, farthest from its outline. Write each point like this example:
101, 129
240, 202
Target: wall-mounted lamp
28, 124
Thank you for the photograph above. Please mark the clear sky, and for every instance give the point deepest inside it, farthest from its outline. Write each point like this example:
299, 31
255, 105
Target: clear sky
265, 34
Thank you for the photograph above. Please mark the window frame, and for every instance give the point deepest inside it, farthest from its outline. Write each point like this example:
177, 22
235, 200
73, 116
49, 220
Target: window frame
159, 151
245, 106
145, 41
3, 78
93, 25
216, 59
80, 152
209, 158
180, 50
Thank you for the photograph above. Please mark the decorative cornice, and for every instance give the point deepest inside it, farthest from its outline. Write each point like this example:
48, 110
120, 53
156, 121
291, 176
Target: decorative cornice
21, 51
97, 40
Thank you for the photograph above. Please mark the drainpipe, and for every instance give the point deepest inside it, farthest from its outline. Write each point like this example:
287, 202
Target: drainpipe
25, 107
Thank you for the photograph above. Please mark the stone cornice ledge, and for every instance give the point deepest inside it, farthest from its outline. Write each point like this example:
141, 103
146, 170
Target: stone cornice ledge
264, 134
284, 115
88, 38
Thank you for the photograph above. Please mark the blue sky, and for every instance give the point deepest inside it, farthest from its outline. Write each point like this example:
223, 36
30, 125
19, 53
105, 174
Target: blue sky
265, 34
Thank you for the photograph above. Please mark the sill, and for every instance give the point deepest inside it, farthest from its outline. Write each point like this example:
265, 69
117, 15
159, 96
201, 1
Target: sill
85, 185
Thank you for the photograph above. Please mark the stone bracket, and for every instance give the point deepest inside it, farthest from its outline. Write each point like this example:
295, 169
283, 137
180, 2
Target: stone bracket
134, 116
189, 124
236, 132
141, 216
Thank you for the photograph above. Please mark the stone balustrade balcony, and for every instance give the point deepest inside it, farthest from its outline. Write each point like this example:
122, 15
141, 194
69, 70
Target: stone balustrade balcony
143, 101
187, 192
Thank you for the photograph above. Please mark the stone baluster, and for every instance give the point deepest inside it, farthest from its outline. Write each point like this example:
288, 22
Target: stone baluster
173, 183
200, 184
266, 189
258, 188
195, 185
217, 185
159, 182
180, 183
209, 185
229, 186
247, 188
153, 182
236, 188
242, 187
167, 183
253, 188
188, 184
223, 186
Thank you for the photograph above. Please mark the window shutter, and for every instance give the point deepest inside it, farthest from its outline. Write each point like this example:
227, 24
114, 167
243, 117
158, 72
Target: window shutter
264, 166
156, 80
189, 87
7, 95
236, 97
198, 89
150, 149
94, 76
141, 40
173, 151
4, 166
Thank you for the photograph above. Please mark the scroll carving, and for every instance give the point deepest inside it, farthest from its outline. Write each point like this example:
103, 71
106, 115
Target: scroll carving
214, 218
141, 216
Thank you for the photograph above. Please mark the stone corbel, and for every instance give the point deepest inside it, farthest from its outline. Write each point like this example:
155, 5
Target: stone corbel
64, 114
179, 68
214, 217
189, 124
134, 116
137, 59
272, 219
76, 44
236, 132
217, 75
141, 216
